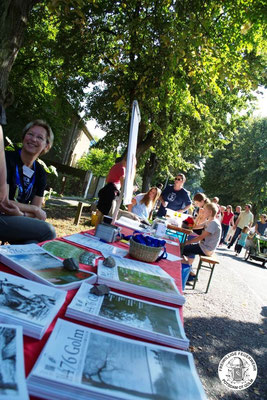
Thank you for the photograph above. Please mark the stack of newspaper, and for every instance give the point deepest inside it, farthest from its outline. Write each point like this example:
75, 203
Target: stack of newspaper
12, 375
29, 304
139, 278
128, 315
81, 363
37, 264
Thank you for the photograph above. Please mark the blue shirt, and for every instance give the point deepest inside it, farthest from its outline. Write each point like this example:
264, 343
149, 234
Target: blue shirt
177, 199
261, 227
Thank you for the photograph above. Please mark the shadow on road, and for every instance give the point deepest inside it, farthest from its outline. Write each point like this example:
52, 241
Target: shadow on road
225, 253
212, 338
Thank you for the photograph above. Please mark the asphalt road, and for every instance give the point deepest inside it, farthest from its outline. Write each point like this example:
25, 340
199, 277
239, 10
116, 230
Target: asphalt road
231, 316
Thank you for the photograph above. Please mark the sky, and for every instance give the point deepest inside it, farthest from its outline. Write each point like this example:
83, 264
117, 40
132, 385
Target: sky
261, 112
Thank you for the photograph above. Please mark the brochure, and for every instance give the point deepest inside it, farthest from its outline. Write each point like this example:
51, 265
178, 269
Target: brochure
126, 314
12, 382
67, 250
35, 263
29, 304
141, 279
93, 242
82, 363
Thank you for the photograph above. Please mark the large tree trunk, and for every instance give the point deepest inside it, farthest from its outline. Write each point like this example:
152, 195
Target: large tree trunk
149, 170
14, 15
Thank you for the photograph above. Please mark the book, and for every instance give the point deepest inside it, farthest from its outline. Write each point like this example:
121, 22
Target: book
35, 263
64, 250
128, 315
12, 375
93, 242
140, 278
29, 304
83, 363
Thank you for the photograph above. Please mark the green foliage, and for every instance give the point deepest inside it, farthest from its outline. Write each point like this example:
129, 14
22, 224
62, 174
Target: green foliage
237, 174
191, 65
97, 161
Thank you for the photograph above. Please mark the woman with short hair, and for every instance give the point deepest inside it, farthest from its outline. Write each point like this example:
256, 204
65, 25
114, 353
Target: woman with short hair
26, 182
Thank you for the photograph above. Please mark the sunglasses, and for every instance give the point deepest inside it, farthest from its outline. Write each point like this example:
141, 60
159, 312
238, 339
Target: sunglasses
179, 179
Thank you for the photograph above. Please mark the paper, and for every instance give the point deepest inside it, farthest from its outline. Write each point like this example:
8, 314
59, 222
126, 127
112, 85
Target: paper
12, 382
88, 241
79, 361
67, 250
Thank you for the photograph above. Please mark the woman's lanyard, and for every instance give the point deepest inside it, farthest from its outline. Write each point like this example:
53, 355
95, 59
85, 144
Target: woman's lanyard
23, 193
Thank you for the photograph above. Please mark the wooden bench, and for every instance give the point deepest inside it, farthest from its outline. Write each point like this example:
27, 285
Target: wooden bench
208, 263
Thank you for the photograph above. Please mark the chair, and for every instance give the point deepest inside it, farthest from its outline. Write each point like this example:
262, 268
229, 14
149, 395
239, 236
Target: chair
208, 263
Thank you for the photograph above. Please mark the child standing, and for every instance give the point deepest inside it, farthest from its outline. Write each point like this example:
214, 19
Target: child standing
241, 242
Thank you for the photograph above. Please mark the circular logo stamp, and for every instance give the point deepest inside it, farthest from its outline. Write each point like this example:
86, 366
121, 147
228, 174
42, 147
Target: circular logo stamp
237, 370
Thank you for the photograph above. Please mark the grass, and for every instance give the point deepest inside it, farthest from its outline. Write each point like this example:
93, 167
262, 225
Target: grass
62, 218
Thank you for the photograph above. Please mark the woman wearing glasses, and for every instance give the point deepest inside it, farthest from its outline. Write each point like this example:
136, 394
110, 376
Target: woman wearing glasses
26, 181
175, 197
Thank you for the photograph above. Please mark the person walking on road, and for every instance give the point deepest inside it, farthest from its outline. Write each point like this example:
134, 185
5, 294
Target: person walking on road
245, 218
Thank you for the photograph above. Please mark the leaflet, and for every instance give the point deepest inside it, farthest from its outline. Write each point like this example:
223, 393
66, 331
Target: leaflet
119, 310
67, 250
139, 274
35, 263
12, 382
91, 243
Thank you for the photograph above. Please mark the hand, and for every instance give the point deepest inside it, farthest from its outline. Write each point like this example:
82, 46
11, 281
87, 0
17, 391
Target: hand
164, 203
9, 208
39, 213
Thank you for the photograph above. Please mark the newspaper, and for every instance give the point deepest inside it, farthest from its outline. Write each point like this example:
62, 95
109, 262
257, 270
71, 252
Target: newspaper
121, 312
33, 262
29, 304
91, 242
94, 364
12, 382
67, 250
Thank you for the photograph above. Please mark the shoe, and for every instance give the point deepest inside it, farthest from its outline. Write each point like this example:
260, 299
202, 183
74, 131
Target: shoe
189, 284
191, 278
228, 247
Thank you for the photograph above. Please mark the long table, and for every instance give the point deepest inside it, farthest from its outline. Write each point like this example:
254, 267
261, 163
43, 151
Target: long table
33, 347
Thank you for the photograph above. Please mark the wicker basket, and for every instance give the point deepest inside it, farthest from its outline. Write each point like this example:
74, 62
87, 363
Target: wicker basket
143, 252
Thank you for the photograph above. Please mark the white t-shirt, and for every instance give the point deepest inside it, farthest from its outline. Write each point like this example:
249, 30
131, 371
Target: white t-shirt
140, 209
209, 244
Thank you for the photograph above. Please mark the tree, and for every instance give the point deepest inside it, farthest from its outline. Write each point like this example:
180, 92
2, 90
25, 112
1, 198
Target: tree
237, 174
191, 65
13, 19
97, 161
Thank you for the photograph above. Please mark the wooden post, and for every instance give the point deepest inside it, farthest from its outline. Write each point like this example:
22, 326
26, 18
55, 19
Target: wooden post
78, 213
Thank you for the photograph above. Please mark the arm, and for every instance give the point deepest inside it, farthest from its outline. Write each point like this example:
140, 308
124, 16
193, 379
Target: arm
198, 238
163, 203
237, 222
256, 229
5, 205
130, 206
184, 209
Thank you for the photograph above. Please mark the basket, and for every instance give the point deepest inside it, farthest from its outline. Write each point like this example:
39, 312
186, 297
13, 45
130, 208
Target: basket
143, 252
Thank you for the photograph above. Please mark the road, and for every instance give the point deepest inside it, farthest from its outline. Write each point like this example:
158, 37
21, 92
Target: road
231, 316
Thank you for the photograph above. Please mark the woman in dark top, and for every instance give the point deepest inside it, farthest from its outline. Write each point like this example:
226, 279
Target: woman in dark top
26, 181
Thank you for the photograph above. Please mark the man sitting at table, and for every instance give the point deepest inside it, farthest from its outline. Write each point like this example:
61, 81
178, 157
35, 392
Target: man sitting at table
175, 197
